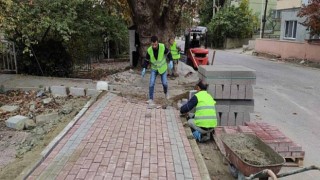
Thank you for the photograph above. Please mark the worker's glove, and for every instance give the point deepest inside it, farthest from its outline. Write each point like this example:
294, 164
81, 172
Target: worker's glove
143, 72
170, 65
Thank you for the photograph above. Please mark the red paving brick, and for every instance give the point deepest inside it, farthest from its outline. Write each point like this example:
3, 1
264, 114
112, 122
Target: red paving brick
116, 139
271, 135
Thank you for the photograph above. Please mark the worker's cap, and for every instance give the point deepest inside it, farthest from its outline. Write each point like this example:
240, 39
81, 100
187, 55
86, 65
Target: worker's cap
202, 84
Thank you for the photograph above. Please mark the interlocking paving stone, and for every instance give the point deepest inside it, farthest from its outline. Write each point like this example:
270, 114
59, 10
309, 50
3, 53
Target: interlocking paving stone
116, 140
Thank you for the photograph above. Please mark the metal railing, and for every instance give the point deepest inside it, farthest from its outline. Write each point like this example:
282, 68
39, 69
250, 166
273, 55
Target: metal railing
8, 58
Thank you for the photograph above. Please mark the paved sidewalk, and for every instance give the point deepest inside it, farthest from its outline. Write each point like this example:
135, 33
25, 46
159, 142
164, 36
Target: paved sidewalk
117, 139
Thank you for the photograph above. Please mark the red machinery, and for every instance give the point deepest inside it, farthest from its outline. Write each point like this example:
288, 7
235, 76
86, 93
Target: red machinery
196, 55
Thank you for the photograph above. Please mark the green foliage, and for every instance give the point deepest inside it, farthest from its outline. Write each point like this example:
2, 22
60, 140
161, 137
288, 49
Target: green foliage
311, 13
73, 24
205, 12
232, 22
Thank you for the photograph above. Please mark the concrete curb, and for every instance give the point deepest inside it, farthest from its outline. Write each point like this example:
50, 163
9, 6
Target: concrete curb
57, 139
197, 154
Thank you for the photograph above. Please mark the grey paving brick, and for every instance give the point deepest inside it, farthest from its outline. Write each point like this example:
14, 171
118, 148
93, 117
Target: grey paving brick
249, 92
180, 176
75, 91
239, 119
234, 91
226, 91
242, 92
16, 122
246, 116
222, 105
59, 90
178, 168
218, 92
185, 164
188, 173
251, 81
231, 119
242, 106
224, 119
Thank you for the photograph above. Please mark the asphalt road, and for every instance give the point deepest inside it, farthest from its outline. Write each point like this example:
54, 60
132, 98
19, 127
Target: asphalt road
287, 96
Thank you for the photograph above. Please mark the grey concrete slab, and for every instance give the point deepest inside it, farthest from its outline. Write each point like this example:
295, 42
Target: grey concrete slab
16, 122
234, 91
239, 118
226, 91
249, 92
219, 92
222, 105
242, 92
232, 119
242, 106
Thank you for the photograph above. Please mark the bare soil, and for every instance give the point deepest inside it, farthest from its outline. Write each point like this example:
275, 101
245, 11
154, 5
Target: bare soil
215, 162
20, 149
124, 81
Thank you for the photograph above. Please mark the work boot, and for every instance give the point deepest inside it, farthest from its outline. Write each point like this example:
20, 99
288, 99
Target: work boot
151, 104
167, 96
205, 138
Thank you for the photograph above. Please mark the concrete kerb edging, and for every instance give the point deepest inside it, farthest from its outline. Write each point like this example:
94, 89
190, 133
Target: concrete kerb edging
198, 155
57, 139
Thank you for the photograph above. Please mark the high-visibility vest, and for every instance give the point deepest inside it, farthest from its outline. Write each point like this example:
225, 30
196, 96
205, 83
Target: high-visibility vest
174, 51
205, 115
160, 63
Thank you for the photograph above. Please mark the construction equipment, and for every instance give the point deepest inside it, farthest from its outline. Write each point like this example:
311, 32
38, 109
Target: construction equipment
195, 38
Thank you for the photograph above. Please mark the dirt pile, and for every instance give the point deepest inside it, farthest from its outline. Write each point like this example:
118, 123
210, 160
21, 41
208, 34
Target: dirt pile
248, 149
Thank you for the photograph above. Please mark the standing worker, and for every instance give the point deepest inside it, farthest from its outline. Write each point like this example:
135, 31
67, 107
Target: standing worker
156, 55
204, 120
175, 52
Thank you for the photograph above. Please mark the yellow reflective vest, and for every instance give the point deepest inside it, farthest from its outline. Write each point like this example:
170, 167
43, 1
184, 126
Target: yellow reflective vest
160, 63
205, 115
174, 51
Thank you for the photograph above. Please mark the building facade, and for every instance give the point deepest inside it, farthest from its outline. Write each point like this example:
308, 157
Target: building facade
291, 28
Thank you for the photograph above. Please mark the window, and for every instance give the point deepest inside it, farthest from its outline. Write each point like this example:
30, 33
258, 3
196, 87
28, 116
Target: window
291, 29
276, 14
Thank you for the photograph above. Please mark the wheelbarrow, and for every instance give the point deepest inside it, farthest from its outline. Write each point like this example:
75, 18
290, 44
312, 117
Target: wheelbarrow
249, 158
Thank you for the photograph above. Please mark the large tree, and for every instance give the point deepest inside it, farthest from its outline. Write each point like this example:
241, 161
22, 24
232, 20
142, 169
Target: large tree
312, 14
159, 17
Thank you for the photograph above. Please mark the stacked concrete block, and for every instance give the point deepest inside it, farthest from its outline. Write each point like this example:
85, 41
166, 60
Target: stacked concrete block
231, 87
229, 81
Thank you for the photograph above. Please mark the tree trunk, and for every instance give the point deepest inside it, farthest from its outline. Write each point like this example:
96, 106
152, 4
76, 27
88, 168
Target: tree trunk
155, 17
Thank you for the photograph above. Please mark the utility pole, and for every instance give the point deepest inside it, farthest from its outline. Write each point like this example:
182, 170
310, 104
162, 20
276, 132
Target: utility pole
264, 18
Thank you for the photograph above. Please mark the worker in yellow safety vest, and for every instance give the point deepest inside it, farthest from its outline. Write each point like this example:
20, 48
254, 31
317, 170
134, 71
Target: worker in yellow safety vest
175, 52
156, 56
204, 119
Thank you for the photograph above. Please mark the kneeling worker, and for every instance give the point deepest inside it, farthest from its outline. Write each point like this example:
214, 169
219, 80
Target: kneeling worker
204, 120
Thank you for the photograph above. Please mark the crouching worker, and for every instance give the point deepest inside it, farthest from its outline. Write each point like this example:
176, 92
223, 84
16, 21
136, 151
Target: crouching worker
204, 119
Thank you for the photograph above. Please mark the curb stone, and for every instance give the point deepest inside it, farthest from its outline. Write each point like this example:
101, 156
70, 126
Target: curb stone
197, 154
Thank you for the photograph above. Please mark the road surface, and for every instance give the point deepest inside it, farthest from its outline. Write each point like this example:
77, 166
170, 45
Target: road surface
287, 96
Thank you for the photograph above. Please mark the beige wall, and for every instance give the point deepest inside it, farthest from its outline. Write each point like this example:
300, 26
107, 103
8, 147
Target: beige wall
286, 4
289, 49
